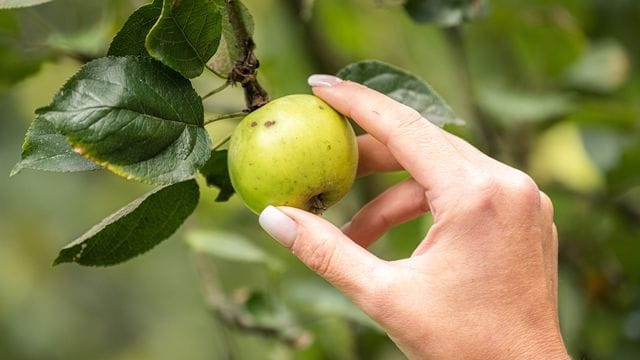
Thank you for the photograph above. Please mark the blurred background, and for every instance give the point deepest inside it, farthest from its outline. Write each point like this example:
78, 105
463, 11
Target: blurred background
551, 87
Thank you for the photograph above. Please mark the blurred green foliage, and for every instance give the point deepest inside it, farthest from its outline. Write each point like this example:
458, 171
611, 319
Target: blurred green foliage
551, 87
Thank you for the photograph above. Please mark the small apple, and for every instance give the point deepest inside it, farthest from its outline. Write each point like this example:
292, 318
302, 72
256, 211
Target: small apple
294, 151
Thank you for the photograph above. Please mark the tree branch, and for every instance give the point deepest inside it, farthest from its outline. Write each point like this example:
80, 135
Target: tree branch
487, 132
245, 69
233, 317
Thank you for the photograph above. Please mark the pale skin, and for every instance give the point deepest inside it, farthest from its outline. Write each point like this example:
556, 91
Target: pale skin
482, 284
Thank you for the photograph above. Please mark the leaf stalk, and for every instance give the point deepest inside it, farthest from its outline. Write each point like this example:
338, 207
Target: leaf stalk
225, 116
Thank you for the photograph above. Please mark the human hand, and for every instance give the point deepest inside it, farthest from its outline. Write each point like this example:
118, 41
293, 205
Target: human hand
481, 284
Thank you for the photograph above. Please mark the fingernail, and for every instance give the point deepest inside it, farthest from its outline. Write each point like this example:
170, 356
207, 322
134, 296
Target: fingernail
278, 225
321, 80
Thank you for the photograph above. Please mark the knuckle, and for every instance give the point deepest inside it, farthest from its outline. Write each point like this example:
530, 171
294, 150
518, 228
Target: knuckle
488, 192
409, 125
319, 257
483, 189
546, 205
522, 188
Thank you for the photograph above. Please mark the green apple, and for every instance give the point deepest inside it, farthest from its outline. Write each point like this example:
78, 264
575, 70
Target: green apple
294, 151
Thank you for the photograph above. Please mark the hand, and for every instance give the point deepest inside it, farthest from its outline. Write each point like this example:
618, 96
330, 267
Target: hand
482, 283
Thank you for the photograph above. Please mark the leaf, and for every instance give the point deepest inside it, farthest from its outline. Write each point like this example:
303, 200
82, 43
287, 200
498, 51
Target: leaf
603, 145
403, 87
134, 116
513, 107
216, 172
229, 50
318, 298
130, 40
186, 36
11, 4
46, 149
230, 246
625, 174
603, 68
134, 229
266, 314
445, 12
16, 61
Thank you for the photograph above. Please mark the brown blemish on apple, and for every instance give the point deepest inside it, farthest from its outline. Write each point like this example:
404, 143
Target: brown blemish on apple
320, 107
269, 123
254, 124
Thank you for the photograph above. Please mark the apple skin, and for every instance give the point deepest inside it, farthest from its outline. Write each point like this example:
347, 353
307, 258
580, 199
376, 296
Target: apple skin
294, 151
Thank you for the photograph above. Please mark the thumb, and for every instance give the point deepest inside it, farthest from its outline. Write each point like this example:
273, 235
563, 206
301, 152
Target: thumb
322, 247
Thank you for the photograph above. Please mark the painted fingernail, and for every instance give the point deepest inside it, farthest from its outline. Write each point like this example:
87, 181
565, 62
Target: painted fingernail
321, 80
278, 225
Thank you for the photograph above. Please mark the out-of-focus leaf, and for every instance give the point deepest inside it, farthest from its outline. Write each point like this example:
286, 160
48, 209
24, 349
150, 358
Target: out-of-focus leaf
46, 149
524, 43
513, 107
16, 65
323, 300
130, 40
216, 172
544, 40
230, 246
229, 50
68, 27
258, 309
403, 87
603, 145
15, 61
632, 199
134, 229
11, 4
186, 35
604, 67
89, 43
625, 175
135, 116
601, 332
445, 12
559, 156
612, 113
571, 308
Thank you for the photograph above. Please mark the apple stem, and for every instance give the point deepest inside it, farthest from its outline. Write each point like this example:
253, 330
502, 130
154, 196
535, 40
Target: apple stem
317, 205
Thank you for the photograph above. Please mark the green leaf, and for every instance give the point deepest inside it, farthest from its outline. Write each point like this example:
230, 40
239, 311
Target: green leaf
230, 50
230, 246
625, 174
319, 298
514, 107
16, 61
186, 36
46, 149
11, 4
130, 40
603, 68
134, 229
445, 12
403, 87
216, 172
603, 145
134, 116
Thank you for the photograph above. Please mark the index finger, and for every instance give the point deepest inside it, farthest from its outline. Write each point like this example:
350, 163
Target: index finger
422, 148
